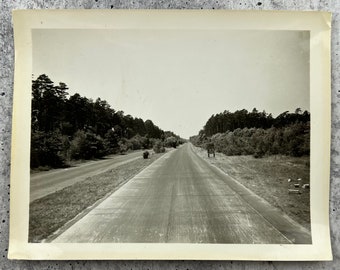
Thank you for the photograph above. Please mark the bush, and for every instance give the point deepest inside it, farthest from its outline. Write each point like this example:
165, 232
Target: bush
48, 149
86, 145
158, 147
296, 139
138, 142
259, 153
171, 142
146, 155
293, 140
122, 146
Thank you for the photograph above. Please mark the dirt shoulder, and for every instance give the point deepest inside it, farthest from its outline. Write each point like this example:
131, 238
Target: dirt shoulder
51, 212
271, 178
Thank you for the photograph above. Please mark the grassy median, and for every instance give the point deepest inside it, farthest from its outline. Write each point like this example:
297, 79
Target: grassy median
51, 212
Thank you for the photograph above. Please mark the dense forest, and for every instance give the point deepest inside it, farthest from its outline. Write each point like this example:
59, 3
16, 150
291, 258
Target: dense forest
257, 133
65, 128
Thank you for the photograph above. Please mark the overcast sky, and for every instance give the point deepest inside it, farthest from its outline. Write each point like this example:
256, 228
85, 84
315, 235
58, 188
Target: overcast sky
178, 79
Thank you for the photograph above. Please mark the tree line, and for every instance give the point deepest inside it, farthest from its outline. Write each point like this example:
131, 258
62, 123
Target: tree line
257, 133
65, 128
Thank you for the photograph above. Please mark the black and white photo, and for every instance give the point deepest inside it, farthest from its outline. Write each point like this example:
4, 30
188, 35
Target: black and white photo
191, 132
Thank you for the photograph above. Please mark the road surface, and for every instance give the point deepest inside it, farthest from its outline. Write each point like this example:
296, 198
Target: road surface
44, 183
181, 198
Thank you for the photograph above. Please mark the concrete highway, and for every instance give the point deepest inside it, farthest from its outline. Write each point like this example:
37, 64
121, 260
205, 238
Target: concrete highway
44, 183
180, 198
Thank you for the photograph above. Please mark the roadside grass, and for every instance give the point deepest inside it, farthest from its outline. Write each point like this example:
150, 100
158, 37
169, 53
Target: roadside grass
48, 214
268, 178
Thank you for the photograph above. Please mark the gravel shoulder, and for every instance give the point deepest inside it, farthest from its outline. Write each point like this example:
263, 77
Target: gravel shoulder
271, 178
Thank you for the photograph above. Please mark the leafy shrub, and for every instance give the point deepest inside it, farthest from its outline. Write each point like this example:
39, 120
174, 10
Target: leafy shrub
158, 147
171, 142
47, 149
86, 145
146, 154
138, 142
122, 146
291, 140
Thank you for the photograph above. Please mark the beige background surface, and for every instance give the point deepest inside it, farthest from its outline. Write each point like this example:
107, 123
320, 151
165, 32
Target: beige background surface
6, 103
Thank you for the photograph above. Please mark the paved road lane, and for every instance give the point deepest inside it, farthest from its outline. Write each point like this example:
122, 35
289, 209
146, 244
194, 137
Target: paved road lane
181, 198
44, 183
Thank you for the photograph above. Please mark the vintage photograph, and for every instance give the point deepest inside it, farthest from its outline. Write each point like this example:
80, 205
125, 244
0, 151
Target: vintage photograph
170, 135
152, 136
